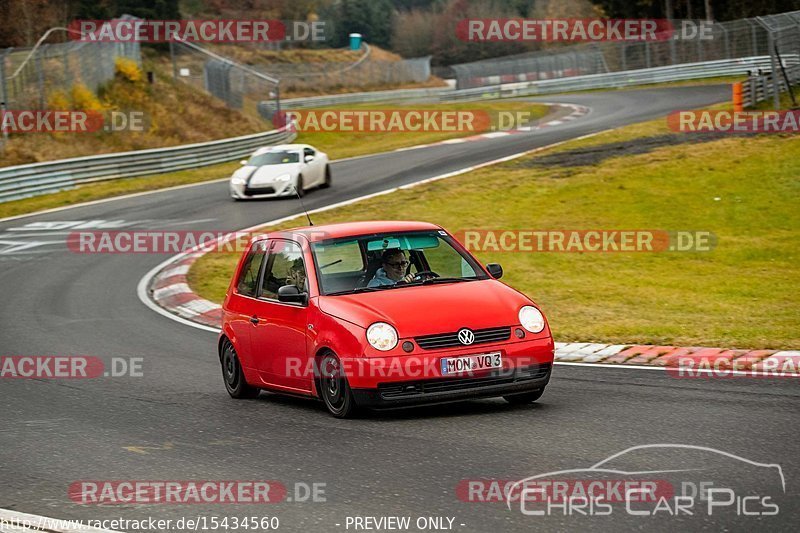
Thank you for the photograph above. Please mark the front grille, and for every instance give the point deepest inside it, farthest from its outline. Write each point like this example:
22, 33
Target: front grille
449, 340
390, 391
251, 191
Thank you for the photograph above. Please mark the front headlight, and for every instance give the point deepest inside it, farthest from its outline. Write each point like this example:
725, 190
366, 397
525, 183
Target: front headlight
284, 177
382, 336
237, 181
531, 319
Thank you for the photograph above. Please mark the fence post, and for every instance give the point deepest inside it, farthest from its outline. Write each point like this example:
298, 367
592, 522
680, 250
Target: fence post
40, 74
727, 42
172, 57
754, 36
3, 94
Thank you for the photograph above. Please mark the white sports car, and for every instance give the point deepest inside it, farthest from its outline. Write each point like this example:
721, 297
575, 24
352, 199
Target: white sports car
281, 170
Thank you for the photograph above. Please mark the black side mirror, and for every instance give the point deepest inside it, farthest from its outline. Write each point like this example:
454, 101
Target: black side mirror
291, 294
495, 270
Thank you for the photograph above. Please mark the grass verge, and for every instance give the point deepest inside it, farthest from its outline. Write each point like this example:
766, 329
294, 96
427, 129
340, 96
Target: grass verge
743, 189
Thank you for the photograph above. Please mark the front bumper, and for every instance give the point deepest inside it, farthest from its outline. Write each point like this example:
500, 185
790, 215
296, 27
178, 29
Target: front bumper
416, 378
498, 383
267, 190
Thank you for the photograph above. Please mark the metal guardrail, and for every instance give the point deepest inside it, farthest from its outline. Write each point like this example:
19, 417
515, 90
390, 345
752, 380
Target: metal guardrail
759, 88
39, 178
688, 71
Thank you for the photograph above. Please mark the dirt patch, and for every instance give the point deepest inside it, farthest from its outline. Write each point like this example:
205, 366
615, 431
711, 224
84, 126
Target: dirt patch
593, 155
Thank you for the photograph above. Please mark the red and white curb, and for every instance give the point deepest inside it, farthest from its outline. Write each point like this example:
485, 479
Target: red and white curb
674, 356
577, 112
170, 290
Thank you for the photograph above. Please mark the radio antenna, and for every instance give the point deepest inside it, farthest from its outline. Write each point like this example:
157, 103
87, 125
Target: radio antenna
305, 211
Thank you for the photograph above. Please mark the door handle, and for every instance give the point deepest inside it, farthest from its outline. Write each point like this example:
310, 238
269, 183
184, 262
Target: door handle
254, 320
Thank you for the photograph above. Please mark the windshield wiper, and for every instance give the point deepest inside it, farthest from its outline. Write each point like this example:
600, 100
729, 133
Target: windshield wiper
431, 281
363, 289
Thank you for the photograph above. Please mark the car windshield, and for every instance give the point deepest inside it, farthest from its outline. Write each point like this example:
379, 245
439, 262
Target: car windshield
391, 261
281, 157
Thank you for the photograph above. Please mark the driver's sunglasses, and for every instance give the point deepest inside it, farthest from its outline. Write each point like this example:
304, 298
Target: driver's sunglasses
399, 264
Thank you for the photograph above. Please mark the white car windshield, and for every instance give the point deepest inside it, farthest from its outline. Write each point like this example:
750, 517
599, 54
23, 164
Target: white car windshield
274, 158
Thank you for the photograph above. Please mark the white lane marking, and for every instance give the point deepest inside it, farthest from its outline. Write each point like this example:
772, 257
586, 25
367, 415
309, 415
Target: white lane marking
494, 134
18, 522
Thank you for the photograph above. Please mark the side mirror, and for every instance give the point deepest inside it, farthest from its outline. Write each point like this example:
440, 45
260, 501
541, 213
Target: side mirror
243, 162
495, 270
291, 294
309, 158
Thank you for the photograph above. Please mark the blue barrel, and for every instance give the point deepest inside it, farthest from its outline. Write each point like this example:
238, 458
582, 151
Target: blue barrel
355, 41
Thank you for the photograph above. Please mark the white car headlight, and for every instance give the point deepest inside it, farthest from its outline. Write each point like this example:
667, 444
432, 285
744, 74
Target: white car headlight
382, 336
283, 177
531, 319
237, 181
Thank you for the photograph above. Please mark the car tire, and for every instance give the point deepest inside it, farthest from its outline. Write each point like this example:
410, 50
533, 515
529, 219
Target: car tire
333, 388
327, 182
299, 186
232, 374
524, 398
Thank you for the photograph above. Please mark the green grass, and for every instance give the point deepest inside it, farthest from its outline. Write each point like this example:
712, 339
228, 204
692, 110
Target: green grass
337, 145
742, 294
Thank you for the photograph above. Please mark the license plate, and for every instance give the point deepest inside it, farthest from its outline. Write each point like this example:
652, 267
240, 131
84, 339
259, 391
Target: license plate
471, 363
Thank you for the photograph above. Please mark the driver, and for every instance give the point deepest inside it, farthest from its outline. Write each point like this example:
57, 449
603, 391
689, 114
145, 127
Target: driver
394, 264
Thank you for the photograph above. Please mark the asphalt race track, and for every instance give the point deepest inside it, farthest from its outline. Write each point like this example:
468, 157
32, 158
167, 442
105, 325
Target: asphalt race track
176, 422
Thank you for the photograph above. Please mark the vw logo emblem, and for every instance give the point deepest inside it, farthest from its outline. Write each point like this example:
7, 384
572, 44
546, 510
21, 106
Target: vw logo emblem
465, 336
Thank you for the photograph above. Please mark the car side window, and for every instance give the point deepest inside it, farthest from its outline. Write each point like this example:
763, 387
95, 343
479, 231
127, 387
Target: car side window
285, 267
248, 279
308, 151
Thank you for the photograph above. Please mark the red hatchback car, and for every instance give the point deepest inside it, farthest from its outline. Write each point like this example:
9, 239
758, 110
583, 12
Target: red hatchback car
378, 315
